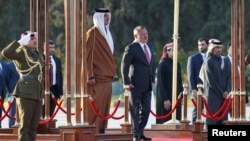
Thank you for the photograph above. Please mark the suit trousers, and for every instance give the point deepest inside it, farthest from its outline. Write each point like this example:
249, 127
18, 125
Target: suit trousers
29, 113
12, 113
52, 104
139, 107
52, 107
1, 111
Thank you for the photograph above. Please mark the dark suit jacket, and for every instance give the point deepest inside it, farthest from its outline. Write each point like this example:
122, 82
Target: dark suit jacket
193, 69
4, 80
135, 68
57, 89
14, 76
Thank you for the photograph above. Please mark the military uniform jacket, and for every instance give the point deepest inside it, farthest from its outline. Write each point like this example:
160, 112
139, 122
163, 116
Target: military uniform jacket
28, 65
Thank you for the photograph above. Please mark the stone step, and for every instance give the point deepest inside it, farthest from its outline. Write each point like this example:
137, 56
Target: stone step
114, 137
40, 137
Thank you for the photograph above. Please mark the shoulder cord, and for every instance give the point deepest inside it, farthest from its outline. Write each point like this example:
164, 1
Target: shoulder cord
32, 64
92, 55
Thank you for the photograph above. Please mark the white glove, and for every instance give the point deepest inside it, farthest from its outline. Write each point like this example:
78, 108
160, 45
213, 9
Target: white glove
10, 99
24, 41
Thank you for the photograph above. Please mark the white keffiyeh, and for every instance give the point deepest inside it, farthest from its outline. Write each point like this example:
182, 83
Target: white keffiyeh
98, 20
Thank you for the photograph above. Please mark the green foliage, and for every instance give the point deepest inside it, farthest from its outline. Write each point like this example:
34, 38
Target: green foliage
198, 18
14, 19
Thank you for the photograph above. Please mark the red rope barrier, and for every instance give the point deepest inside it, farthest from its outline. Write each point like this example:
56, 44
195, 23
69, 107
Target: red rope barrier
52, 117
219, 111
225, 103
225, 108
224, 113
105, 117
6, 113
60, 107
168, 114
117, 118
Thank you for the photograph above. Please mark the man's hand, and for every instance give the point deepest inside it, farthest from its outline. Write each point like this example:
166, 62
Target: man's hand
91, 81
167, 104
194, 93
10, 98
128, 87
24, 41
225, 94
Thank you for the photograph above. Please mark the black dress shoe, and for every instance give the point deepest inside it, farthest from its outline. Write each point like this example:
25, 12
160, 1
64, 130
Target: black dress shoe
137, 138
102, 131
144, 138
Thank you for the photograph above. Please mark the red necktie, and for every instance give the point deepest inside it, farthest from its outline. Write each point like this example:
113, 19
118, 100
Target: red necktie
50, 72
146, 54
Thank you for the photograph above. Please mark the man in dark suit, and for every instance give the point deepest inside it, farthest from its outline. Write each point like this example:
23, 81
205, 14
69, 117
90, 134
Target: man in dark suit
138, 74
193, 69
14, 76
56, 86
4, 83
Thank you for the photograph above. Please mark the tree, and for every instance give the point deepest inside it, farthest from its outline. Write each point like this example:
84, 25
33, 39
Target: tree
198, 18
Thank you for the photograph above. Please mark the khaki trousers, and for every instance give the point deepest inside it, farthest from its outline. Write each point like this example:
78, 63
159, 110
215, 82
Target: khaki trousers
29, 113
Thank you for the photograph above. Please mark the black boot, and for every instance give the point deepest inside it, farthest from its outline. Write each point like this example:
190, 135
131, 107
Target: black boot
101, 131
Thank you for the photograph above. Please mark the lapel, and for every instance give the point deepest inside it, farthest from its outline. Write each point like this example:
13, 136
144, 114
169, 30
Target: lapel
142, 53
1, 68
2, 76
200, 59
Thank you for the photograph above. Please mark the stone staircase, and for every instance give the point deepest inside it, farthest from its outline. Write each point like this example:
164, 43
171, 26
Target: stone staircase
49, 132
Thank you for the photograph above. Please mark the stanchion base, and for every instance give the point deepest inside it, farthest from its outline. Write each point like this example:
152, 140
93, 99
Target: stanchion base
126, 128
15, 129
44, 128
77, 133
185, 124
198, 126
165, 126
237, 122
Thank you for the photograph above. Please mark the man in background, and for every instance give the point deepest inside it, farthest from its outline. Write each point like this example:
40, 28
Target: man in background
14, 76
194, 64
4, 83
216, 77
56, 78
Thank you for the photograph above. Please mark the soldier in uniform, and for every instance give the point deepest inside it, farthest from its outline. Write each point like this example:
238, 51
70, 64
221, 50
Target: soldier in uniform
29, 90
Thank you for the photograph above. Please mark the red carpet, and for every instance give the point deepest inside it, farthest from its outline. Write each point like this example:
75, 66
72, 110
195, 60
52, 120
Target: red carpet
172, 139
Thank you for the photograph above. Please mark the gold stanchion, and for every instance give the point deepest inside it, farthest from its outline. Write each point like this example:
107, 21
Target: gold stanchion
184, 122
199, 124
126, 126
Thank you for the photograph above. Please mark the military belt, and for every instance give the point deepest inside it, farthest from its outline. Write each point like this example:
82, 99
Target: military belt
30, 76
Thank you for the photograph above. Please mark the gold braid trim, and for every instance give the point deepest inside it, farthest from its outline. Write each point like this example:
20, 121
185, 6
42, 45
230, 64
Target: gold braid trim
32, 64
92, 56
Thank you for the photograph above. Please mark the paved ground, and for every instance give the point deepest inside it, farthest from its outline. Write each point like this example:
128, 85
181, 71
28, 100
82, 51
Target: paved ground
61, 117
